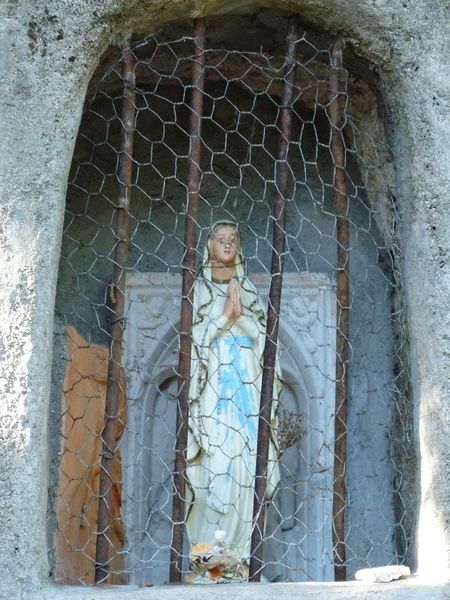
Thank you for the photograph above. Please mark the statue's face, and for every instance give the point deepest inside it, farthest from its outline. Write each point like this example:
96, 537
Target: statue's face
223, 245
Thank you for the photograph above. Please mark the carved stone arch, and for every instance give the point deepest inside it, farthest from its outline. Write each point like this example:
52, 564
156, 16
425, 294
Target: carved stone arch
303, 501
149, 443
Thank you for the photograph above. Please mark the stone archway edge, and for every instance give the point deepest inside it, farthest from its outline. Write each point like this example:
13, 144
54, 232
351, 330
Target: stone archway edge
47, 58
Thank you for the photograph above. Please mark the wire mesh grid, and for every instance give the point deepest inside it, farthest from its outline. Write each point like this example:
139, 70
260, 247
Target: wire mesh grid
239, 157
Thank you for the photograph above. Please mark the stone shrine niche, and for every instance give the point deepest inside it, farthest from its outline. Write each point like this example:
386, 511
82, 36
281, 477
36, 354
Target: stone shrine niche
299, 522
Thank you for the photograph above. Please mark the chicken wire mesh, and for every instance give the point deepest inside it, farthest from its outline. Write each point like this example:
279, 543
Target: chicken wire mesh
239, 156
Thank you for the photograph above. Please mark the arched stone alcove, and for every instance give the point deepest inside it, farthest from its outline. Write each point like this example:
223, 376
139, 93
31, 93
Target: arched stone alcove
240, 138
307, 362
49, 57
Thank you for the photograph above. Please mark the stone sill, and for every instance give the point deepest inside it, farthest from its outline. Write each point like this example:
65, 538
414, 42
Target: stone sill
411, 589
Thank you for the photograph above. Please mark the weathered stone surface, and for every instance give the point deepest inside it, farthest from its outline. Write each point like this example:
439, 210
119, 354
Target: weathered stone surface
383, 574
48, 51
398, 590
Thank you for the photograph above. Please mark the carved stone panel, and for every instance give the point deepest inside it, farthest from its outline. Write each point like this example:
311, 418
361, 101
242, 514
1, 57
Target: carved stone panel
299, 523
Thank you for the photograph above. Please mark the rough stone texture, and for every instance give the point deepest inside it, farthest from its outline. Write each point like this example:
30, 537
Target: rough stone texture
383, 574
48, 51
261, 591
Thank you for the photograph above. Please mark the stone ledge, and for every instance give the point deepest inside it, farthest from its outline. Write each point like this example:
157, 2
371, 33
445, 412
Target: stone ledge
412, 589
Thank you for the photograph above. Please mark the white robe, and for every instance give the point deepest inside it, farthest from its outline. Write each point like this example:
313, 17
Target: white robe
223, 426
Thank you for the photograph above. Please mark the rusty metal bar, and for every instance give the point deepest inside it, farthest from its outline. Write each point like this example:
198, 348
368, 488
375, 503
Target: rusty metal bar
273, 312
117, 297
342, 291
184, 365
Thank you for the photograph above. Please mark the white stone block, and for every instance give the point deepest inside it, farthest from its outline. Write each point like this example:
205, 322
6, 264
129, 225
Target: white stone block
383, 574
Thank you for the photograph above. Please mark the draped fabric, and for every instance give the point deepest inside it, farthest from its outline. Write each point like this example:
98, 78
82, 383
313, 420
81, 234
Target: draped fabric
224, 405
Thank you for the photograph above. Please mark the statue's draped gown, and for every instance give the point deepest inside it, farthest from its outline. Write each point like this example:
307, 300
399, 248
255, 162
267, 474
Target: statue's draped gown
224, 404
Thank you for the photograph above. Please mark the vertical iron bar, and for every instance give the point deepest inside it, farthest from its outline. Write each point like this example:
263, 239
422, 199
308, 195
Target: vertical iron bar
342, 291
117, 325
184, 365
273, 313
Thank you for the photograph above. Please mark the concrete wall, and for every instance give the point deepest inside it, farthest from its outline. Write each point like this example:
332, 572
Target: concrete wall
48, 52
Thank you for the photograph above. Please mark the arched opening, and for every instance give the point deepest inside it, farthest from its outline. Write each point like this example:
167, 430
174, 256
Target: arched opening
239, 141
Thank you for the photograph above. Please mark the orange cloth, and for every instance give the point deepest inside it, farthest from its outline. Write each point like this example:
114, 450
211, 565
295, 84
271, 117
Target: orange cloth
83, 411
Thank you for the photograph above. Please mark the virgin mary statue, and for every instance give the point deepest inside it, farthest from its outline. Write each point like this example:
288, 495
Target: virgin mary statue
227, 345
